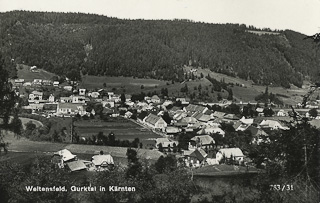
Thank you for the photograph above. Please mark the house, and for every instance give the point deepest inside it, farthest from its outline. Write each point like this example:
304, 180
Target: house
51, 98
281, 112
77, 165
65, 109
230, 117
170, 130
19, 81
128, 97
82, 92
37, 82
154, 143
195, 108
26, 84
184, 101
257, 134
228, 153
56, 83
34, 69
247, 121
211, 158
196, 158
47, 82
78, 99
273, 125
201, 141
65, 155
102, 161
66, 99
259, 110
35, 97
211, 130
155, 122
68, 88
218, 114
239, 126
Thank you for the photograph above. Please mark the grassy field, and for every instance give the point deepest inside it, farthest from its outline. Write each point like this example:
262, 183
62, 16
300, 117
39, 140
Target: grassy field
129, 83
24, 73
123, 130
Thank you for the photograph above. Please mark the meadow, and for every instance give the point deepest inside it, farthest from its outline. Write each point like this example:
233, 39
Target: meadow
122, 129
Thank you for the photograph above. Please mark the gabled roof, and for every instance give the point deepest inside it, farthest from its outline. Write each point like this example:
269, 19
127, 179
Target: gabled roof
71, 106
218, 114
205, 118
248, 121
256, 131
203, 139
194, 108
235, 152
76, 165
102, 160
231, 117
196, 154
65, 154
152, 119
155, 97
171, 129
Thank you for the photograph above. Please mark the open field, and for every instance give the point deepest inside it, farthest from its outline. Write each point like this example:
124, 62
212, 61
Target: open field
27, 149
129, 83
24, 73
126, 130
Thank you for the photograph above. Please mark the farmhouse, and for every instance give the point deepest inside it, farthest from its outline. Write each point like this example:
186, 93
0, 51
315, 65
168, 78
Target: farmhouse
102, 161
155, 122
196, 158
70, 109
154, 143
77, 165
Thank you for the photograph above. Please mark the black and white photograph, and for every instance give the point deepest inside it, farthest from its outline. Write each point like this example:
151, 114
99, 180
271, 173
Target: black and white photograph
159, 101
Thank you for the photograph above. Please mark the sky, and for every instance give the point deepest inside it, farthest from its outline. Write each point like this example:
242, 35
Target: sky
299, 15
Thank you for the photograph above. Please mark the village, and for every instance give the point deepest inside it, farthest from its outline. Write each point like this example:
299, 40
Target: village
169, 120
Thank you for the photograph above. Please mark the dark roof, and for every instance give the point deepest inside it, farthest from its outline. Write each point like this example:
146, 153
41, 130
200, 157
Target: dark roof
196, 154
76, 165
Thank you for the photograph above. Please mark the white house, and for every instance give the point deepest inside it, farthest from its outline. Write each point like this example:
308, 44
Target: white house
155, 99
155, 122
201, 141
35, 97
228, 153
51, 98
273, 125
70, 109
56, 83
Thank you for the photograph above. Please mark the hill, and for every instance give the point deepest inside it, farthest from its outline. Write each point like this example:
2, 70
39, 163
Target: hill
72, 44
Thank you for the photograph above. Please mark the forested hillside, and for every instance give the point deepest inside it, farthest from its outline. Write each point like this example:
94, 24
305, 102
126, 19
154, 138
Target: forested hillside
65, 43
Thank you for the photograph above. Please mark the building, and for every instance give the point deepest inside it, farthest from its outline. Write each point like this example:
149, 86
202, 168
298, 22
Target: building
229, 153
68, 109
273, 125
155, 122
155, 99
35, 97
102, 161
82, 92
195, 108
201, 141
56, 83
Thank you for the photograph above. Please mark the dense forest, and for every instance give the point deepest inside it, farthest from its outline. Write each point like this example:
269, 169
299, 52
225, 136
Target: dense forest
72, 44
